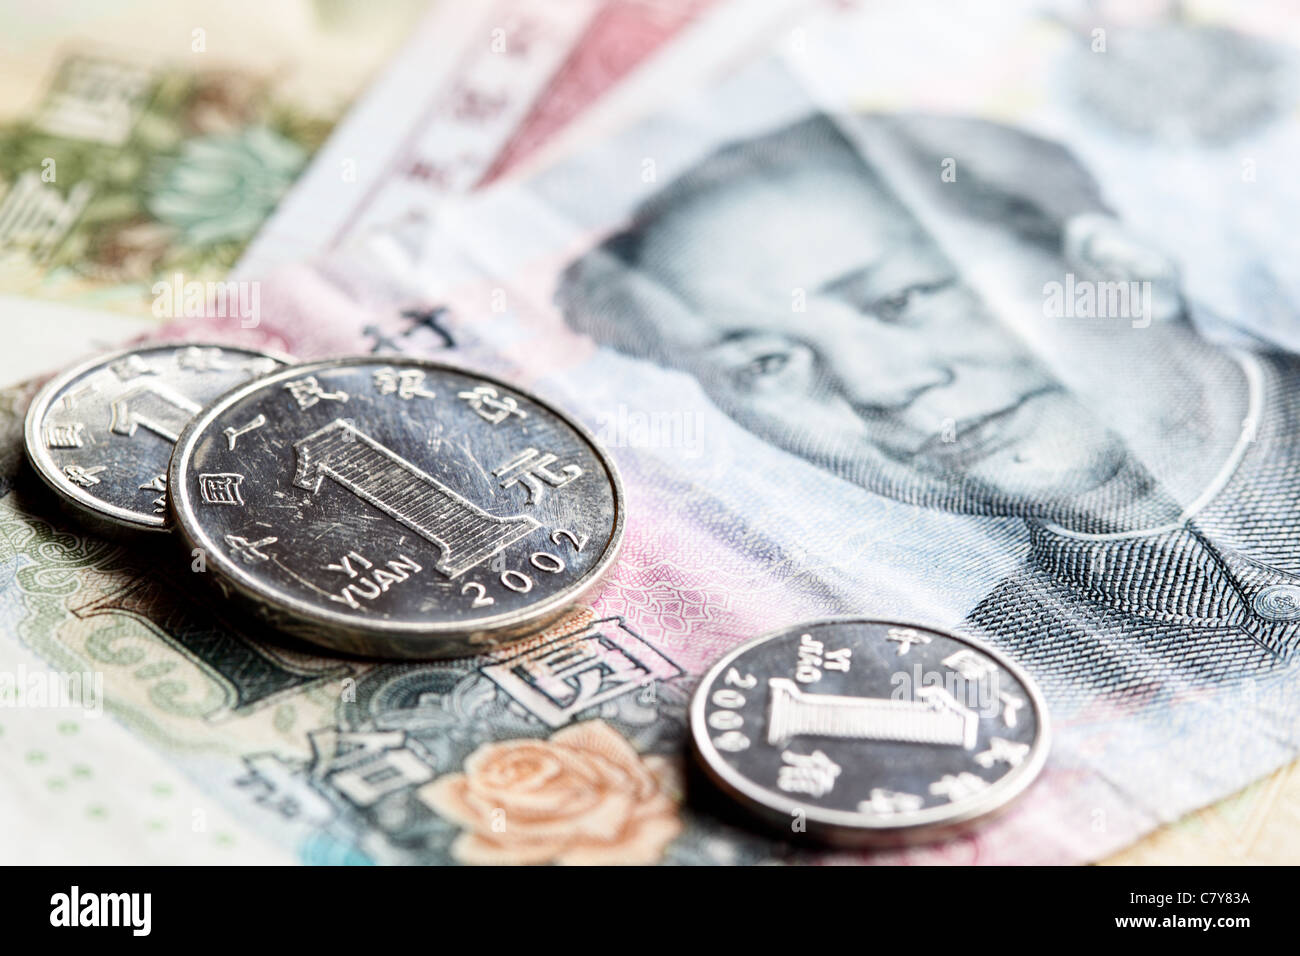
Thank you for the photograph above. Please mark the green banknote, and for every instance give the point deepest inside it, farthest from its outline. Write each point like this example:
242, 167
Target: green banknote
142, 141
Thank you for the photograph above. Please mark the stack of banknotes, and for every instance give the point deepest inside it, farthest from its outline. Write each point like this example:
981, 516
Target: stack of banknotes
981, 316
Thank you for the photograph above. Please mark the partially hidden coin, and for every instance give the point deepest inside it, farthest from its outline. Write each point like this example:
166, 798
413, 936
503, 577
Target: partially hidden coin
393, 507
101, 434
861, 732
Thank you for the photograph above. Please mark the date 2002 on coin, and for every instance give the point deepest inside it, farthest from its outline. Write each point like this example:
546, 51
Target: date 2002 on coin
394, 507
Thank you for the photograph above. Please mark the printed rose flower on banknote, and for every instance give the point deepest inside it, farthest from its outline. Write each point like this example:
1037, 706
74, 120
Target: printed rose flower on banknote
583, 796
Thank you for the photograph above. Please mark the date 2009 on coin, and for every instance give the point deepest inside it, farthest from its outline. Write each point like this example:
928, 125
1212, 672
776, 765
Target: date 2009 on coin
869, 731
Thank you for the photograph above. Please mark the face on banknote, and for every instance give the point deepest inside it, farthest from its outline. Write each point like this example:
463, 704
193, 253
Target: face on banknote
976, 347
877, 337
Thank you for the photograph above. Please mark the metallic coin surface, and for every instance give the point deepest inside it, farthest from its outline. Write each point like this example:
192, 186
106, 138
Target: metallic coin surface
101, 434
869, 732
393, 507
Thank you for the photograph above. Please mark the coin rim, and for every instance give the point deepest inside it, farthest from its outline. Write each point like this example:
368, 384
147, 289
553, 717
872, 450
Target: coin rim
997, 797
248, 586
43, 463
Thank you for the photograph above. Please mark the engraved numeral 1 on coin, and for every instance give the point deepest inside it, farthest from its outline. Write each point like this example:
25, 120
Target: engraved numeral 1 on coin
936, 717
464, 533
155, 406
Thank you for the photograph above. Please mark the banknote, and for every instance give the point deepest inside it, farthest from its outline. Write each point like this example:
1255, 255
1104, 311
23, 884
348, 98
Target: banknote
144, 140
505, 77
63, 751
224, 709
1016, 397
256, 750
1256, 826
480, 91
30, 349
845, 343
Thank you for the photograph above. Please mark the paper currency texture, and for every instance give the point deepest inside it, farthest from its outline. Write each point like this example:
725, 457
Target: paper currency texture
869, 328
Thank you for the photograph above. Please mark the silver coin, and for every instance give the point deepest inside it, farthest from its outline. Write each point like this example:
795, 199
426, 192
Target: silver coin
394, 507
101, 434
869, 732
